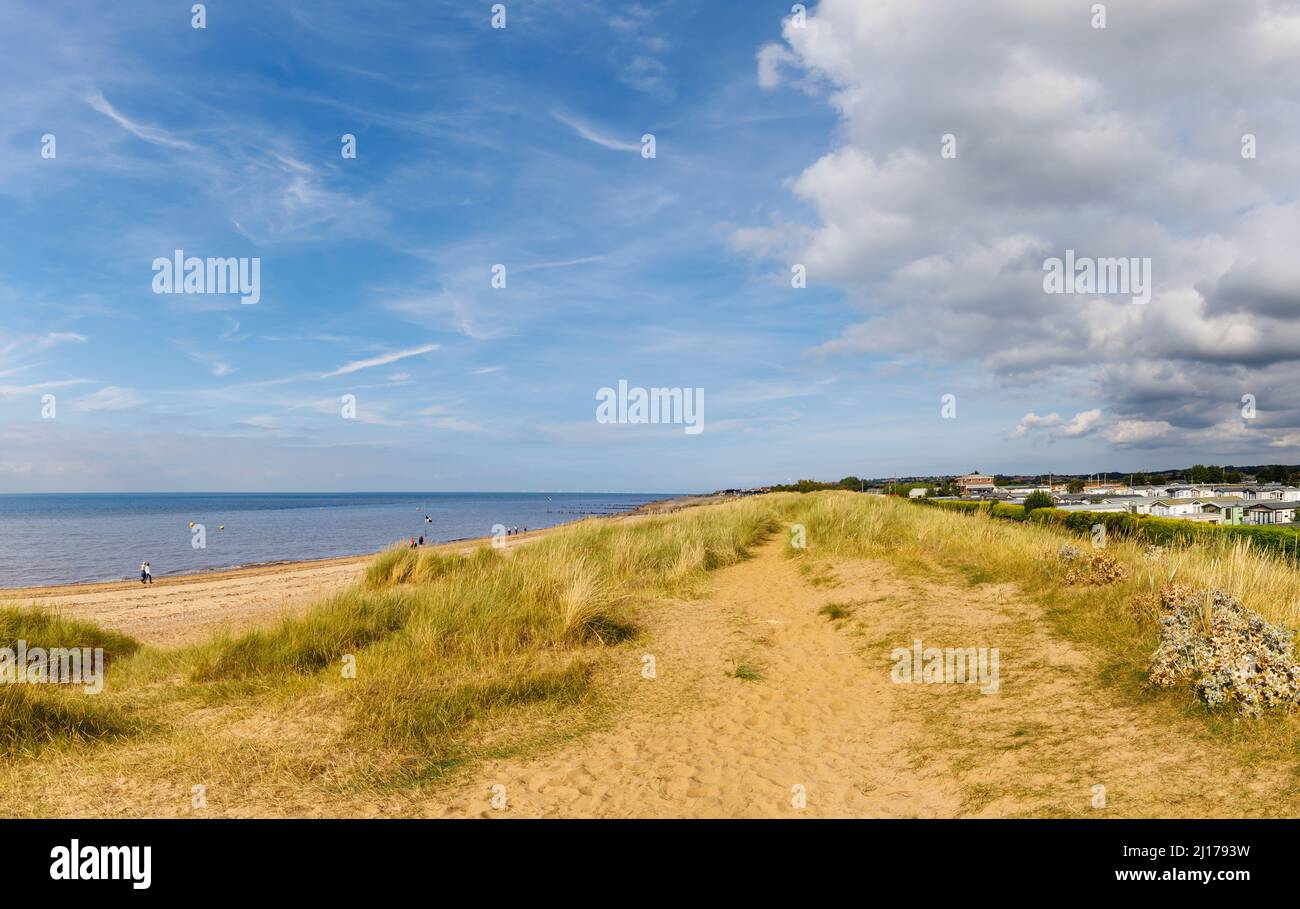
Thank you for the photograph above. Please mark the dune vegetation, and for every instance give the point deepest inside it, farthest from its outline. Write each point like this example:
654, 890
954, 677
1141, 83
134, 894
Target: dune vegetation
433, 661
430, 660
1107, 599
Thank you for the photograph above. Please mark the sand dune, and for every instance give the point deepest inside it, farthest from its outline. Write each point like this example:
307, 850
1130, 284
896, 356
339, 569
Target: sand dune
826, 717
190, 607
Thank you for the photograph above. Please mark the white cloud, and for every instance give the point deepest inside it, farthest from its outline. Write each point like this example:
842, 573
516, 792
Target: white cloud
150, 134
1082, 423
1079, 425
591, 134
381, 360
108, 398
35, 343
1138, 432
1032, 421
1065, 139
771, 58
13, 391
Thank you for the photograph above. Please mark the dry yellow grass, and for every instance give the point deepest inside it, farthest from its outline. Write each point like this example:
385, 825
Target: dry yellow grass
429, 662
1108, 619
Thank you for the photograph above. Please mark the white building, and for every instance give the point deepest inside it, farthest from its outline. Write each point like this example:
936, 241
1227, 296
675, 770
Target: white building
1273, 492
1270, 513
1174, 508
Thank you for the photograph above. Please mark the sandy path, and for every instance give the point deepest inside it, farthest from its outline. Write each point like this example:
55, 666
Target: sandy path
697, 742
701, 743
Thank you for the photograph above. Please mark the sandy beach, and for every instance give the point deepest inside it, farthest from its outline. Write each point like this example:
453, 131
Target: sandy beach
190, 607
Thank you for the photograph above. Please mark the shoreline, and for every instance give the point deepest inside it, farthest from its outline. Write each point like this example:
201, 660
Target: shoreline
37, 591
186, 607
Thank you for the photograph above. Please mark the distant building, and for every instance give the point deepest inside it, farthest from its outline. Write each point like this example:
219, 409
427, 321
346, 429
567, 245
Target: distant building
1273, 492
1236, 491
1270, 513
1175, 508
975, 484
917, 493
1088, 506
1231, 509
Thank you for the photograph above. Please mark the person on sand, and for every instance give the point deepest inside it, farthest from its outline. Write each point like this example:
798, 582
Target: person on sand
146, 573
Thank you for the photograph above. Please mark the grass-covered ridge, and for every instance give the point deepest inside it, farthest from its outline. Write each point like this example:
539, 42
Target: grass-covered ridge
36, 716
1115, 620
40, 628
431, 659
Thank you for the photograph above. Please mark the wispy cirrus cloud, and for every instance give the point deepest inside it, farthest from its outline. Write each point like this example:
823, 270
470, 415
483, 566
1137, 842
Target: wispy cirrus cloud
108, 398
381, 360
15, 391
151, 134
593, 134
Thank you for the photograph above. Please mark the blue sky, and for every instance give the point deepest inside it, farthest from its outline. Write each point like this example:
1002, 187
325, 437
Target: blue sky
521, 146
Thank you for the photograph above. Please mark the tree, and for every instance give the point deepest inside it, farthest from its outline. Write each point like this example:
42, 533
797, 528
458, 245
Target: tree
1273, 474
945, 488
1038, 499
1075, 486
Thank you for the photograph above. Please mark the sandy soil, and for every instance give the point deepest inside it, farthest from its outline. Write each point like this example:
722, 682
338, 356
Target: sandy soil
827, 723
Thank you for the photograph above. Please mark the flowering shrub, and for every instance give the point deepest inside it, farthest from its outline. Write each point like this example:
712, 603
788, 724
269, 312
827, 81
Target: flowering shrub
1231, 656
1094, 568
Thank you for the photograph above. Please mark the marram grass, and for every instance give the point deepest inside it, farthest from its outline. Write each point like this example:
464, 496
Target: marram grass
404, 674
1113, 622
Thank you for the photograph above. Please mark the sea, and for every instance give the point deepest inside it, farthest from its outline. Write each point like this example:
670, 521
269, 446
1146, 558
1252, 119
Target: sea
58, 538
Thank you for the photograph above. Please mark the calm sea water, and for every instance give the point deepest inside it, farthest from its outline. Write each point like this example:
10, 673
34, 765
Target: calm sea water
65, 538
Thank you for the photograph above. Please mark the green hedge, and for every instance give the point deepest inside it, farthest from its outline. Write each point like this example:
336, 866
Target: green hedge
1281, 540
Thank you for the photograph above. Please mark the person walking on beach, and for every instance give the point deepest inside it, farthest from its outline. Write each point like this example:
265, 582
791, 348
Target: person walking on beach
146, 574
